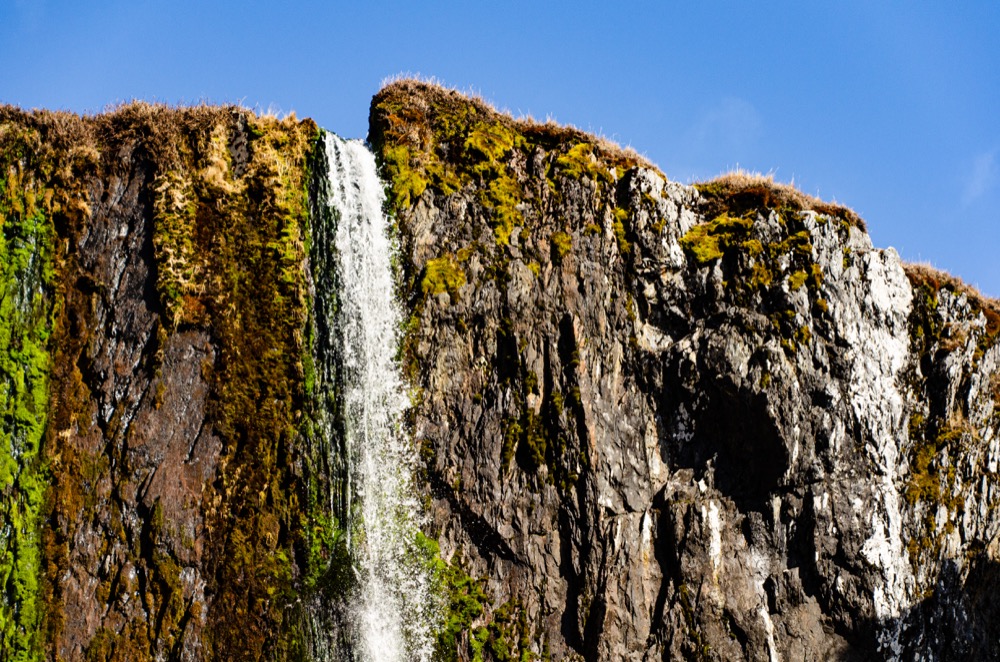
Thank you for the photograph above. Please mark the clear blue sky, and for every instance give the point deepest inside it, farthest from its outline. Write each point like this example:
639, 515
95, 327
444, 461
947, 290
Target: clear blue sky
892, 108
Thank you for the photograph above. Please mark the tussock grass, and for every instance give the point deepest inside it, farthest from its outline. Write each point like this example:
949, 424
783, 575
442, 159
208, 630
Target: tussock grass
935, 280
739, 191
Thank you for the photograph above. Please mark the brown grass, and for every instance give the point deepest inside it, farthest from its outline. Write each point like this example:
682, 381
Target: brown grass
740, 191
936, 280
420, 96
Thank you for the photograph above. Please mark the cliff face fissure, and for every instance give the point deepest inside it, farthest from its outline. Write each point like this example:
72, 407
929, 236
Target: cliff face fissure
551, 406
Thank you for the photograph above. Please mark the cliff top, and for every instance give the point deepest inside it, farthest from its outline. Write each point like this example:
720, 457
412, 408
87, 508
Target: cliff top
412, 113
431, 106
427, 129
47, 136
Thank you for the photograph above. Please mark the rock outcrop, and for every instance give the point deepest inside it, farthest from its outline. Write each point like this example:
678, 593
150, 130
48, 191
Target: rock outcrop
669, 422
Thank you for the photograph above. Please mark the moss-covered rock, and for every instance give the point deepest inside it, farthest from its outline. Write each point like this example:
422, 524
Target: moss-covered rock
26, 298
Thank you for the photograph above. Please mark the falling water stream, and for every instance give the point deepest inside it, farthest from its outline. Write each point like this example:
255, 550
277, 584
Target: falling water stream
389, 611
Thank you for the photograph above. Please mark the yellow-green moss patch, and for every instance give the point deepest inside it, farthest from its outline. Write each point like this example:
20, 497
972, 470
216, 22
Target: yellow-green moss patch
562, 244
442, 274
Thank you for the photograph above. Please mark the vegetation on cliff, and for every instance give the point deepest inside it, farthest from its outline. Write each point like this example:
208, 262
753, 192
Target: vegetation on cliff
581, 334
26, 282
950, 323
229, 239
227, 193
429, 136
739, 192
517, 171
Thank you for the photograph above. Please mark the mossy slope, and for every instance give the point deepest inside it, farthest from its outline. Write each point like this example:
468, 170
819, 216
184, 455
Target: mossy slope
229, 241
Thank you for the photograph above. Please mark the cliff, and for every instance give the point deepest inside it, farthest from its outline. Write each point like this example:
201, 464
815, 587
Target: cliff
654, 421
668, 422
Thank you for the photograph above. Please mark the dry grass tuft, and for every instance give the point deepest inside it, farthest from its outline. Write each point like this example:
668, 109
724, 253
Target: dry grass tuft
740, 191
936, 280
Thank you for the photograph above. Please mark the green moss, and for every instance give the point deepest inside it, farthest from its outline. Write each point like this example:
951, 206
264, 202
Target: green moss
815, 276
562, 244
803, 335
26, 281
463, 597
704, 246
706, 242
799, 242
623, 243
753, 247
534, 441
531, 382
537, 439
927, 480
579, 162
511, 438
442, 274
490, 142
230, 247
408, 181
926, 329
174, 207
751, 267
760, 276
502, 195
507, 637
447, 146
428, 137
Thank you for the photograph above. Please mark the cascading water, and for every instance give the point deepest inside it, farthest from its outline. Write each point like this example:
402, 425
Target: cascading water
360, 391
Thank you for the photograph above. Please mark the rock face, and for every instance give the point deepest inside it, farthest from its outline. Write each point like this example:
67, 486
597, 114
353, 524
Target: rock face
655, 421
172, 251
667, 422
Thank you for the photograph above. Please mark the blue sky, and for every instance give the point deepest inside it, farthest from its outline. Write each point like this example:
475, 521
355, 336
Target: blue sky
892, 108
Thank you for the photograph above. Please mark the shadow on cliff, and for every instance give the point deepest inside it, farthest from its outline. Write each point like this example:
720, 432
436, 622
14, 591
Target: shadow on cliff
960, 619
735, 444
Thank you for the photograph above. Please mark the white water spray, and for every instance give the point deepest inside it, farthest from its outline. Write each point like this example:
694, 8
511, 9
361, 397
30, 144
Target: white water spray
391, 610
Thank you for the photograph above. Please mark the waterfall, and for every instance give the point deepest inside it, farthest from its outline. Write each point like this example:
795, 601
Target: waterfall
389, 611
